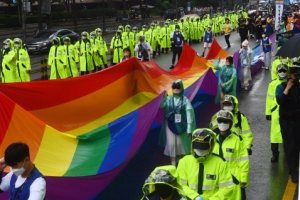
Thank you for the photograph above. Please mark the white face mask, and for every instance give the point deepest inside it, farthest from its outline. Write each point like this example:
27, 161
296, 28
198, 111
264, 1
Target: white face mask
263, 36
92, 36
83, 37
223, 127
200, 152
17, 45
284, 60
282, 74
228, 108
177, 30
18, 172
6, 46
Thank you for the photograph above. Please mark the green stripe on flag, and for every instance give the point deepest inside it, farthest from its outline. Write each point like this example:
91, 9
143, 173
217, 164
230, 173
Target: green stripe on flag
90, 152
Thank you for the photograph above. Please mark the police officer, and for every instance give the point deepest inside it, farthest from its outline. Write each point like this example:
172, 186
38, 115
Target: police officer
71, 58
116, 48
163, 183
177, 44
204, 174
56, 60
84, 47
288, 99
231, 147
241, 124
103, 47
23, 61
9, 67
272, 110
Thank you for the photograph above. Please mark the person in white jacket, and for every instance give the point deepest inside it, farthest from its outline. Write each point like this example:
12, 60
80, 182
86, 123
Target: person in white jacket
245, 55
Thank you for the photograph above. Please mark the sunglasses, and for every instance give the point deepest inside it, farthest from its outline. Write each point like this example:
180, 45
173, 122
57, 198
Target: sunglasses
225, 121
282, 70
175, 87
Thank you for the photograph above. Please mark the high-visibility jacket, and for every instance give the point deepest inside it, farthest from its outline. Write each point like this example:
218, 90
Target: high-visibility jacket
275, 63
272, 109
95, 50
217, 180
56, 61
235, 153
23, 64
240, 125
9, 67
103, 49
131, 40
85, 48
70, 60
165, 40
117, 45
152, 40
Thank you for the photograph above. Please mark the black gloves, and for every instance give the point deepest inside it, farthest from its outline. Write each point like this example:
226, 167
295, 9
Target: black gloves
268, 117
249, 152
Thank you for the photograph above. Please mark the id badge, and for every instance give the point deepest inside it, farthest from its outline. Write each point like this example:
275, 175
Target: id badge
244, 62
207, 39
177, 118
140, 54
178, 39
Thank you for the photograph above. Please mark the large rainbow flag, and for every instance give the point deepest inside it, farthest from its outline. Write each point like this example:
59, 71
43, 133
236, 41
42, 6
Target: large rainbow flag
83, 131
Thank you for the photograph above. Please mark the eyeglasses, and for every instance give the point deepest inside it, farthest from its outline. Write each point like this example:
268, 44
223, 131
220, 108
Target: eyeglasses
282, 71
225, 121
175, 87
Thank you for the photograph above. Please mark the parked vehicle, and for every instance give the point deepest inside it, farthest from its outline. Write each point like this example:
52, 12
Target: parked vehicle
42, 39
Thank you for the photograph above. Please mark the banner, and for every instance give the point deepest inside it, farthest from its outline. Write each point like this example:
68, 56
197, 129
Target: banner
278, 13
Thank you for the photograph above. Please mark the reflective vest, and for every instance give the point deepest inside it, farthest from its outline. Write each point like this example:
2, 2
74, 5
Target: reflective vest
178, 39
217, 180
208, 37
268, 48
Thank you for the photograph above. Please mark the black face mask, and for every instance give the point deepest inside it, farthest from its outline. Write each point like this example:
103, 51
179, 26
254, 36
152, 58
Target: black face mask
163, 190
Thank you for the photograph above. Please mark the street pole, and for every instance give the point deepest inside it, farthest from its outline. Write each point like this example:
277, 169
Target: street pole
103, 17
24, 19
74, 15
176, 10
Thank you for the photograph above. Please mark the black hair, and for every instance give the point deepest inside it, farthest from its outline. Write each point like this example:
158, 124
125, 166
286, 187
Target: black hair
15, 153
230, 59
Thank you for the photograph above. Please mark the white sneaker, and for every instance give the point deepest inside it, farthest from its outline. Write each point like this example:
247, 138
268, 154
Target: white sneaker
267, 68
263, 67
246, 88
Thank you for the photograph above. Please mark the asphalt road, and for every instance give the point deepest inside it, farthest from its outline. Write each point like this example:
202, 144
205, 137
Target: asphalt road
268, 180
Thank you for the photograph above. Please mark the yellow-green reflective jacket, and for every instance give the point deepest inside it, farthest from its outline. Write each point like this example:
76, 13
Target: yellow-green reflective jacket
217, 180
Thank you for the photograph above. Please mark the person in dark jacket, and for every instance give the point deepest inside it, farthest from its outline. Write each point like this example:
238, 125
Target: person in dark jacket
288, 99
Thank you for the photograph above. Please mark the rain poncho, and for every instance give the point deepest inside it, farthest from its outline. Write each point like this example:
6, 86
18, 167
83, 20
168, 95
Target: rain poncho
163, 175
272, 109
9, 67
23, 63
227, 78
173, 107
56, 61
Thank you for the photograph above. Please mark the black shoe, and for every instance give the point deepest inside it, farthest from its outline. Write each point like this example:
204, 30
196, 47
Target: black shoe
295, 177
203, 54
274, 159
172, 67
228, 47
